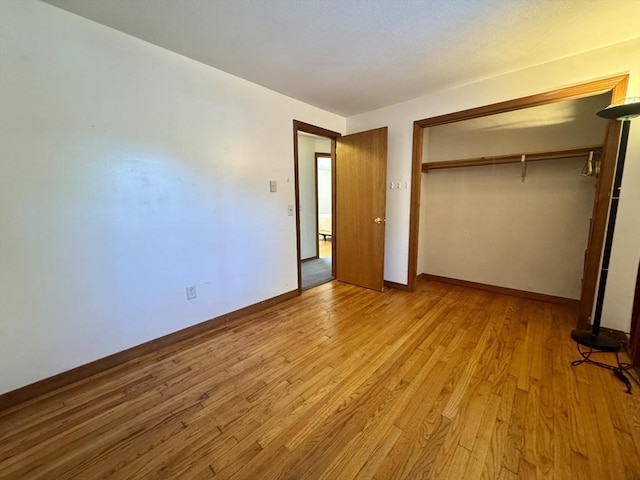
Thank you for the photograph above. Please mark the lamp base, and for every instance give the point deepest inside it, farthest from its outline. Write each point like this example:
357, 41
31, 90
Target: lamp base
601, 342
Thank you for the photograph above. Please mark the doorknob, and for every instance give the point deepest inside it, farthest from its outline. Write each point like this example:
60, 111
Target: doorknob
377, 220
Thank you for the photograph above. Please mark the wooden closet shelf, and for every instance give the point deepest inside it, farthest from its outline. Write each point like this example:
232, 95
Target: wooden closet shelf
513, 158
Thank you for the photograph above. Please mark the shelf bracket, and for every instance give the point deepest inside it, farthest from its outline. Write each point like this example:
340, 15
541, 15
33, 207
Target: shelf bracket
588, 169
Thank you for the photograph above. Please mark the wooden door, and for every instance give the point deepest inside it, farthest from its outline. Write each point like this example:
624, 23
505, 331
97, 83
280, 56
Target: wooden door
361, 178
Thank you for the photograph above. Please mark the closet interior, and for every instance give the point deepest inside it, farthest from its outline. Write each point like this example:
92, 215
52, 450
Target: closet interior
507, 198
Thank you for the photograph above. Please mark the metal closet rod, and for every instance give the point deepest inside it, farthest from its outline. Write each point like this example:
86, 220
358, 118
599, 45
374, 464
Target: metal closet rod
514, 158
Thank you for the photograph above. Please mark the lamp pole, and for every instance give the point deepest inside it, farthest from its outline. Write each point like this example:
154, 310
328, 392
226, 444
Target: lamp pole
593, 338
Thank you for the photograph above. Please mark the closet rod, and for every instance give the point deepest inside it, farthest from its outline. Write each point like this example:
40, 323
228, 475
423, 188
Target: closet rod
513, 158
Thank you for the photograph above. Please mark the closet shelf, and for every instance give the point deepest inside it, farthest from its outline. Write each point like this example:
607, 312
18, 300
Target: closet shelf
514, 158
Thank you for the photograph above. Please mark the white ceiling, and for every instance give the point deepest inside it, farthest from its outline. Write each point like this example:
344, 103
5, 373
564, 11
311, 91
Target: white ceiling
352, 56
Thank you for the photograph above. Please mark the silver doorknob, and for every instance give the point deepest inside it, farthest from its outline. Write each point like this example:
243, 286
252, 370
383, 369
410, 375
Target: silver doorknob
377, 220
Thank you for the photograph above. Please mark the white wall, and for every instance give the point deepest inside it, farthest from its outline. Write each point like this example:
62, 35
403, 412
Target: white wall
613, 60
324, 185
485, 225
306, 179
128, 173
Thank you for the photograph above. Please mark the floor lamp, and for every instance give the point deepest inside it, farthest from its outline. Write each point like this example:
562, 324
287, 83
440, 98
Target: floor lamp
593, 338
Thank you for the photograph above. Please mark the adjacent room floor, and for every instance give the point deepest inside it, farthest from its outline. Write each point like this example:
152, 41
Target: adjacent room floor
319, 270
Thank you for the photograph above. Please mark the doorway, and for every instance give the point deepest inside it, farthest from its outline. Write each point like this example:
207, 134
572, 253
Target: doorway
314, 164
315, 180
358, 182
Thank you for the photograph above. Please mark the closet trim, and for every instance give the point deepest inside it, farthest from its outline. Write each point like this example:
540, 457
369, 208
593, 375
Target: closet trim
577, 91
617, 85
513, 158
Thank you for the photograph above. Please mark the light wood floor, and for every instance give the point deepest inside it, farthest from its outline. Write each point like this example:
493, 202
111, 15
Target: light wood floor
345, 383
324, 247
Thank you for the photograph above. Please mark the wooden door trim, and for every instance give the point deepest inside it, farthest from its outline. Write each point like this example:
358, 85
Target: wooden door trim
414, 208
582, 90
617, 85
299, 126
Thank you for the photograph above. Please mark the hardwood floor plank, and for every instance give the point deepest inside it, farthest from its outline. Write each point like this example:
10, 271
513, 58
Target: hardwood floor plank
463, 384
506, 474
602, 405
493, 459
358, 450
482, 442
378, 454
458, 464
424, 432
344, 383
427, 449
517, 433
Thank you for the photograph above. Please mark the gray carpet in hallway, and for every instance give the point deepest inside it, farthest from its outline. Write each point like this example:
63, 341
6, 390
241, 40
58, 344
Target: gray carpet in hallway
316, 272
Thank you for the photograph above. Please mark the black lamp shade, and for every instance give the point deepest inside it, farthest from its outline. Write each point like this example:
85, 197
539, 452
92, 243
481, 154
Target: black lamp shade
626, 110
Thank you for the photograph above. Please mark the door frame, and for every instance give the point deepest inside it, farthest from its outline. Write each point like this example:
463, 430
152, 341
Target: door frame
617, 86
299, 126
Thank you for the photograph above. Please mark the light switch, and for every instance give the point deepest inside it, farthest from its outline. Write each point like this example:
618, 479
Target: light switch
273, 186
290, 210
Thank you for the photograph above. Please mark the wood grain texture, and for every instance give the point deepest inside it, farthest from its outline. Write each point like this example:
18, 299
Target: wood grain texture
414, 208
541, 297
344, 383
325, 247
361, 177
98, 366
577, 91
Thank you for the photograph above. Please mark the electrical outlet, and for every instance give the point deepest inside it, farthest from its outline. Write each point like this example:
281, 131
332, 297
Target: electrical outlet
191, 292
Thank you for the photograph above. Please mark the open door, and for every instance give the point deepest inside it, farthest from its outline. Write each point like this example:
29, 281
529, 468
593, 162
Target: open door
361, 178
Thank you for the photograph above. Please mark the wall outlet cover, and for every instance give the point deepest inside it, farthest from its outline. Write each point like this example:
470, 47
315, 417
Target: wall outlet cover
191, 292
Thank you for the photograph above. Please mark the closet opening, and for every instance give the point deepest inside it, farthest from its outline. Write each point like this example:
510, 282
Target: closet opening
508, 198
525, 184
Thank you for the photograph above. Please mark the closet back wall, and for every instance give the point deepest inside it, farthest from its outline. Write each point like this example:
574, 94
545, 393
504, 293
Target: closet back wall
483, 224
